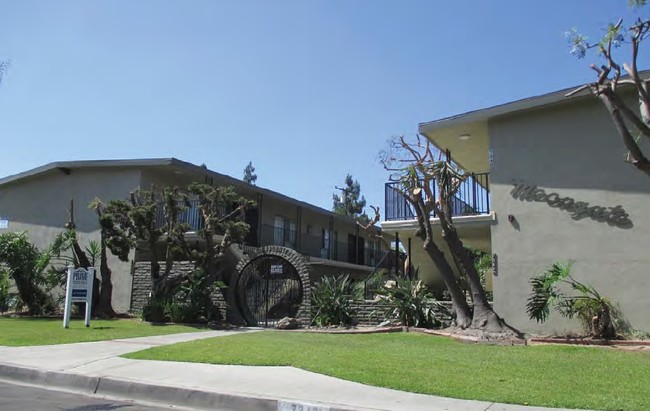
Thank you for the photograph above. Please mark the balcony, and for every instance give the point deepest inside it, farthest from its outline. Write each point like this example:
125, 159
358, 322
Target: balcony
318, 247
306, 244
472, 198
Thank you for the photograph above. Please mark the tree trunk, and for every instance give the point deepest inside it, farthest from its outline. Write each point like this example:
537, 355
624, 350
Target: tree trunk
104, 306
36, 300
459, 302
483, 316
635, 156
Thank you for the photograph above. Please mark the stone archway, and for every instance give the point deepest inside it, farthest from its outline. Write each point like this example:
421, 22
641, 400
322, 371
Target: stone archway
271, 284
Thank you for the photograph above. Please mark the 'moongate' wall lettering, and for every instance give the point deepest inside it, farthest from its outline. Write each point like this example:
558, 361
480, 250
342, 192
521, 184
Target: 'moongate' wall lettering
579, 209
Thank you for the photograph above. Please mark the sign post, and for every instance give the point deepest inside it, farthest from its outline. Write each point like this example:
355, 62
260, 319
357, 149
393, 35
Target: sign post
79, 289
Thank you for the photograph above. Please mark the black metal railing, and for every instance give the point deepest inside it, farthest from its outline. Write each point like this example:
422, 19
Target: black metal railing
390, 263
190, 216
307, 244
318, 247
472, 198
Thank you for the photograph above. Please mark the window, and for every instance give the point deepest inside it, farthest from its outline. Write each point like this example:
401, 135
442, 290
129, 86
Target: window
325, 243
284, 232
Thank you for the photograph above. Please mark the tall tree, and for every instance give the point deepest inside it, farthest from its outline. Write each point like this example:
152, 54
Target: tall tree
249, 174
105, 298
350, 202
612, 84
429, 185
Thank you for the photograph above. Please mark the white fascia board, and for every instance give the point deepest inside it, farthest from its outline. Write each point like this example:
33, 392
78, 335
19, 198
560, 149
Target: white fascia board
409, 225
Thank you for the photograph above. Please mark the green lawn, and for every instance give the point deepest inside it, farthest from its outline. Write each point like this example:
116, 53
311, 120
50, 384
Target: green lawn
42, 331
554, 376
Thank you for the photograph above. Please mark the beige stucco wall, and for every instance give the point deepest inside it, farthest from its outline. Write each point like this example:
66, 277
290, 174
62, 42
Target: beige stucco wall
40, 207
475, 235
572, 150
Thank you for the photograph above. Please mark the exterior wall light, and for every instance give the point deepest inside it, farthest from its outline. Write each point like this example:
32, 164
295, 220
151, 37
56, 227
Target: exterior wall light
464, 137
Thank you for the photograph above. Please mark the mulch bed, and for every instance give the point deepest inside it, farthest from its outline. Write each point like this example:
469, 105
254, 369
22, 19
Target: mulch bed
588, 341
479, 337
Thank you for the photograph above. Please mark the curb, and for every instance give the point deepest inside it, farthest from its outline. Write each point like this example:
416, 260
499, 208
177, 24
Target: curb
153, 393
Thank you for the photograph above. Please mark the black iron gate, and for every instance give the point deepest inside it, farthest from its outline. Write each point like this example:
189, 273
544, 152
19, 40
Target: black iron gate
269, 289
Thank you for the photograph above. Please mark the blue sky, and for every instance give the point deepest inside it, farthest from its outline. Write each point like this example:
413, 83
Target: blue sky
307, 90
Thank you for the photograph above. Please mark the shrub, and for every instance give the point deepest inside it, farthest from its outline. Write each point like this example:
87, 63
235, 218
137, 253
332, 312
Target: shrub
332, 300
190, 303
182, 312
593, 310
21, 261
411, 302
154, 311
5, 297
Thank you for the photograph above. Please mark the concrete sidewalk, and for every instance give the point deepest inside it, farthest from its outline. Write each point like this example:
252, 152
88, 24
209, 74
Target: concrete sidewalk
95, 368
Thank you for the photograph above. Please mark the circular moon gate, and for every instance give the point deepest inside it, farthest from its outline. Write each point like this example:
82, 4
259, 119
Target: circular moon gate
268, 290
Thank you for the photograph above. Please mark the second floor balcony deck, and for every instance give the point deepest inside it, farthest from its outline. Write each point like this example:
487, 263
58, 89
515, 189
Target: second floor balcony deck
324, 246
472, 198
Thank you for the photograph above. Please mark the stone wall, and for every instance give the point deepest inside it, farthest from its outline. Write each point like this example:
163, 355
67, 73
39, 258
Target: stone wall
368, 312
141, 288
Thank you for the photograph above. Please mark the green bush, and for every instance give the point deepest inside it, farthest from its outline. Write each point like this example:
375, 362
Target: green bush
182, 312
411, 302
154, 312
190, 303
332, 300
21, 261
594, 310
192, 300
5, 297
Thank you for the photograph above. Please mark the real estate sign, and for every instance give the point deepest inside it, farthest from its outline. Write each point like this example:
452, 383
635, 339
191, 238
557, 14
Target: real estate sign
79, 289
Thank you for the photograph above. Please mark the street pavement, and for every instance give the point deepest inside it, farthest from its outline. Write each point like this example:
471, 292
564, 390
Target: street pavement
95, 368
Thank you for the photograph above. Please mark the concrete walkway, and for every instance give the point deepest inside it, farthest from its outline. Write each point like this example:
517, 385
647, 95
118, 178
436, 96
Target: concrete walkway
95, 368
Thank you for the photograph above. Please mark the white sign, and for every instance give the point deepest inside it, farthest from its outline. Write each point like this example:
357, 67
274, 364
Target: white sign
4, 224
277, 269
79, 289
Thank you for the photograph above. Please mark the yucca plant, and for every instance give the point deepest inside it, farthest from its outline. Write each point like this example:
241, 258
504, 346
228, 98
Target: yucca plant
411, 302
332, 300
593, 309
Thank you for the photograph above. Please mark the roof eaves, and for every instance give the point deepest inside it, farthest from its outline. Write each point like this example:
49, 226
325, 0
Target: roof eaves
529, 103
483, 114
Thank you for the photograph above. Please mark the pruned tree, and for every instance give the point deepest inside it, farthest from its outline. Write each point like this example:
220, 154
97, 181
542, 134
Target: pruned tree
105, 298
67, 250
350, 202
222, 213
249, 174
615, 80
429, 185
136, 223
152, 222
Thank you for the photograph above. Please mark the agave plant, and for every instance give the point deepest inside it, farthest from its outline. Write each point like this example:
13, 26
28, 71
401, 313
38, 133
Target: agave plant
332, 300
593, 309
411, 302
